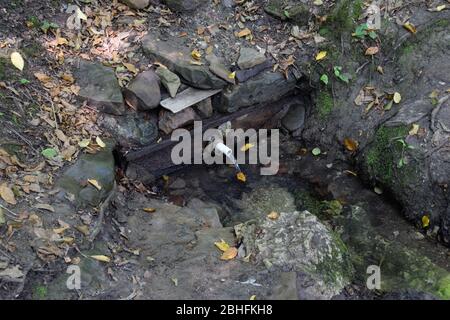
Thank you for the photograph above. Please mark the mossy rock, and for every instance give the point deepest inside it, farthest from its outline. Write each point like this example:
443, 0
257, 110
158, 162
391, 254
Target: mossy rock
289, 10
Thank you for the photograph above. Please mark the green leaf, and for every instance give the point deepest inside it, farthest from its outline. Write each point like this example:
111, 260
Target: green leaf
316, 151
373, 35
286, 13
388, 106
361, 30
401, 163
49, 153
24, 81
324, 78
337, 71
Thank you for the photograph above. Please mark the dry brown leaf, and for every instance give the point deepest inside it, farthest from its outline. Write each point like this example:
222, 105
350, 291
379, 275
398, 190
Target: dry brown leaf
230, 254
273, 215
7, 194
372, 51
350, 144
244, 32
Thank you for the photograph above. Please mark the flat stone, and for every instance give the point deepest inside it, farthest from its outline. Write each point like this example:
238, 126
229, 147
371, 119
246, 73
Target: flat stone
205, 108
177, 58
410, 113
244, 75
187, 98
184, 5
143, 92
218, 67
249, 57
266, 87
137, 4
98, 166
169, 121
295, 117
169, 80
99, 85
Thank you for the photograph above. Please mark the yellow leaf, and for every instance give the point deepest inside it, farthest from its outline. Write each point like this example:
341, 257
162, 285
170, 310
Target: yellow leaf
17, 60
241, 176
253, 297
425, 221
350, 144
229, 254
7, 194
232, 75
244, 32
273, 215
131, 67
410, 27
101, 258
84, 143
414, 129
196, 55
222, 245
100, 142
149, 210
95, 183
397, 97
60, 230
321, 55
247, 146
372, 51
440, 8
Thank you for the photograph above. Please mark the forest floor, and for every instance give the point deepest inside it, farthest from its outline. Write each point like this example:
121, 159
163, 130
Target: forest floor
46, 127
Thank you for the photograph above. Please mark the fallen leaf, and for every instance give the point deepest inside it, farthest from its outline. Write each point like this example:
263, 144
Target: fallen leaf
425, 221
378, 190
196, 55
149, 210
410, 27
350, 144
42, 77
229, 254
131, 67
316, 151
273, 215
222, 245
244, 32
100, 142
84, 143
372, 51
253, 297
380, 70
95, 184
232, 75
397, 97
247, 146
321, 55
7, 194
17, 60
49, 153
414, 130
101, 258
241, 176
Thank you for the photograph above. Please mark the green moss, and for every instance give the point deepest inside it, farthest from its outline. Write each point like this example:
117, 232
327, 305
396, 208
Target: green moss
383, 155
40, 293
324, 104
305, 201
346, 14
444, 288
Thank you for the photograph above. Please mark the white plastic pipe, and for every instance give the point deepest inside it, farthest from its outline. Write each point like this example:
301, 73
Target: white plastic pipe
224, 149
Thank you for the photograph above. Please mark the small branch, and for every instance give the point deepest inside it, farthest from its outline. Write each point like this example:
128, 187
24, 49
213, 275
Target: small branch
101, 214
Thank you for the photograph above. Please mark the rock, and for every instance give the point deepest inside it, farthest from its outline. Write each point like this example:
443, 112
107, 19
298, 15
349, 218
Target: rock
244, 75
295, 118
207, 211
289, 9
99, 85
205, 108
137, 4
169, 121
249, 57
136, 172
98, 166
218, 67
177, 59
264, 88
143, 92
178, 184
169, 80
184, 5
131, 129
304, 245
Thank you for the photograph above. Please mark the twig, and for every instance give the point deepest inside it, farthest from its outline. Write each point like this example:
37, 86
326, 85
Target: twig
21, 137
101, 214
9, 212
436, 111
362, 66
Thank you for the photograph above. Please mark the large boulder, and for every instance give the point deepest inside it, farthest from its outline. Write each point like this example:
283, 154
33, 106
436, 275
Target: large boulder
143, 92
98, 84
184, 5
178, 59
299, 242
